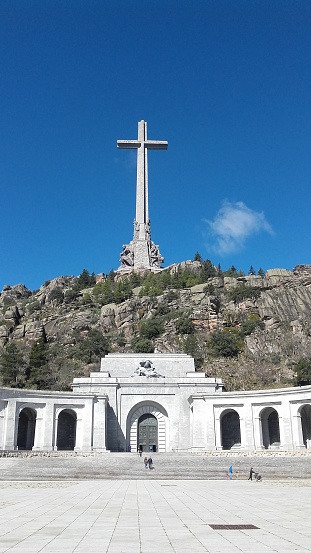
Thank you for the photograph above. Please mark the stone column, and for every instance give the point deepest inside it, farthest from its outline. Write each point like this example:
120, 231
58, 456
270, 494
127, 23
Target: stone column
48, 426
218, 443
249, 437
242, 432
11, 426
3, 405
218, 432
258, 432
55, 425
297, 431
210, 426
99, 428
84, 426
199, 437
79, 431
286, 437
112, 418
39, 428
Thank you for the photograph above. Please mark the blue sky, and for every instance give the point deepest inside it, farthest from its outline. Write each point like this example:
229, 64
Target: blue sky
227, 83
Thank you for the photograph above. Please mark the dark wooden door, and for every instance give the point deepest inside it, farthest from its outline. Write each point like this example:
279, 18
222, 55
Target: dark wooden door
148, 433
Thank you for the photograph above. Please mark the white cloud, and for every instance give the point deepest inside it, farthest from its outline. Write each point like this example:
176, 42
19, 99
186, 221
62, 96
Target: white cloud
233, 224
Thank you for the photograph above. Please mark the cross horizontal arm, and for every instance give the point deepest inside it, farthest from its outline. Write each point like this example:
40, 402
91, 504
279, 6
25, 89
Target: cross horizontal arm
156, 144
128, 144
150, 144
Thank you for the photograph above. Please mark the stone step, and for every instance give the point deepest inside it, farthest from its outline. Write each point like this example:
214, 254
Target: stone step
167, 466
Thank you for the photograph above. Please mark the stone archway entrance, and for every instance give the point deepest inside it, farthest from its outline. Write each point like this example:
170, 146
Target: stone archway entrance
230, 430
66, 430
270, 428
305, 414
147, 425
147, 434
26, 429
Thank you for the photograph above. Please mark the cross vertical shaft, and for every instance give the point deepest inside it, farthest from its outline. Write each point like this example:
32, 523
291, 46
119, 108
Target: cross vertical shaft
142, 216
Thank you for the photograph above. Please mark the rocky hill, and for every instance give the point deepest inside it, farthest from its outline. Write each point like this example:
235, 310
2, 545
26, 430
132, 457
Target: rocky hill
249, 330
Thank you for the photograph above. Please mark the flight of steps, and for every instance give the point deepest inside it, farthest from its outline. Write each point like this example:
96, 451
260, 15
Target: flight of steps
167, 466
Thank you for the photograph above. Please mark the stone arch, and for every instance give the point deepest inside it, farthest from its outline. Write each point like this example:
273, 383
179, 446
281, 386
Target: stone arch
153, 409
270, 428
66, 430
230, 429
26, 428
305, 414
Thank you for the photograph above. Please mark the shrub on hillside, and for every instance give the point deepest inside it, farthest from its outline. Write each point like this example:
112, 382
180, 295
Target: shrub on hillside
56, 295
242, 292
303, 372
184, 325
92, 347
142, 345
152, 328
250, 325
225, 343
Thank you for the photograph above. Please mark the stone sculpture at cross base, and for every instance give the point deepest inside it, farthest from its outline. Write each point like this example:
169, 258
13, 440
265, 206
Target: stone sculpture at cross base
141, 253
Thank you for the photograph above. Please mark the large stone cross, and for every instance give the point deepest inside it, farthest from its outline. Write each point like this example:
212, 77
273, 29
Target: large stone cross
142, 145
142, 253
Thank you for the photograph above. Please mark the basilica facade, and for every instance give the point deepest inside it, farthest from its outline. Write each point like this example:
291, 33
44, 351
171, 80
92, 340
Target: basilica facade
157, 403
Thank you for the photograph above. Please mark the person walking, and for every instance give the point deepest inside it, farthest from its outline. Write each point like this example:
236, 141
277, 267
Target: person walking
146, 462
150, 463
251, 472
230, 472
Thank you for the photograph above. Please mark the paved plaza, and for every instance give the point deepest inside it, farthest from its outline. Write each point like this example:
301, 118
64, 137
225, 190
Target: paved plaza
155, 516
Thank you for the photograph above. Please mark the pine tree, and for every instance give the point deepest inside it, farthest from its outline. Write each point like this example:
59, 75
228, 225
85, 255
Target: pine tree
85, 280
209, 270
232, 272
303, 372
38, 367
94, 346
197, 257
12, 366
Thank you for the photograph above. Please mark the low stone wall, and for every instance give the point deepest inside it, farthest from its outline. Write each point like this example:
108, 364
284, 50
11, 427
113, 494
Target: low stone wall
64, 454
232, 454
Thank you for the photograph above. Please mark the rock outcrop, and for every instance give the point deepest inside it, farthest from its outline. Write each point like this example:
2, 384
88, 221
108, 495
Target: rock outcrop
63, 315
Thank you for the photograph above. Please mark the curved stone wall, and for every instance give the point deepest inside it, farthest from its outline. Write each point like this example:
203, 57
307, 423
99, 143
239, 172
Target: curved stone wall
277, 420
